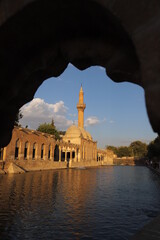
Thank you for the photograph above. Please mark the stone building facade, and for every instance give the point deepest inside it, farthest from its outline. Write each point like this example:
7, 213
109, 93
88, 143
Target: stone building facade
33, 150
105, 156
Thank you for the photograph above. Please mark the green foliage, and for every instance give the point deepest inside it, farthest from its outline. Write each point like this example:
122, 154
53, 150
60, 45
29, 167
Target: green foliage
124, 152
154, 148
49, 128
18, 117
112, 148
139, 149
136, 149
62, 132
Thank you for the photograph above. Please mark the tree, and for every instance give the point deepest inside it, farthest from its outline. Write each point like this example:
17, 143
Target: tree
49, 128
139, 149
62, 132
19, 115
112, 148
154, 148
124, 151
52, 123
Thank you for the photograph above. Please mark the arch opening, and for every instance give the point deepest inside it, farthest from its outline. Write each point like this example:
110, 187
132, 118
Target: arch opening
42, 151
56, 153
34, 151
17, 144
96, 39
25, 150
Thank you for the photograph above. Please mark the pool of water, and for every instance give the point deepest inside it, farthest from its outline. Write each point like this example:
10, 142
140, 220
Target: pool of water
96, 203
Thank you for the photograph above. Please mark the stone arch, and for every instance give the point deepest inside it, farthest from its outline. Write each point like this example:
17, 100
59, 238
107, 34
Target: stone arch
42, 151
43, 48
73, 153
17, 146
56, 153
26, 145
49, 151
34, 151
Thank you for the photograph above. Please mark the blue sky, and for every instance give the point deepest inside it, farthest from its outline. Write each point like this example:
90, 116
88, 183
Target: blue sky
115, 113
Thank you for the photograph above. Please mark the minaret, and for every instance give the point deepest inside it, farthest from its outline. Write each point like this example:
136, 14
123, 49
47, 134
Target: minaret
80, 107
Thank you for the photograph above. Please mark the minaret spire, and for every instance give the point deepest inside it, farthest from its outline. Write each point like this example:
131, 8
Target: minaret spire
80, 107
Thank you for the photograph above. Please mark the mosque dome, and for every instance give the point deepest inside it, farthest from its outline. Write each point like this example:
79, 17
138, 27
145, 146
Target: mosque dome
73, 131
76, 132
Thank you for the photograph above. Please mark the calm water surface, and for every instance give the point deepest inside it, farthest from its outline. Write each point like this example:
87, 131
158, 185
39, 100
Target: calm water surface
98, 203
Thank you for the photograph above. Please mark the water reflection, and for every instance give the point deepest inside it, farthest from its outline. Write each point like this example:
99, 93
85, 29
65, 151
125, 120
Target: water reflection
77, 204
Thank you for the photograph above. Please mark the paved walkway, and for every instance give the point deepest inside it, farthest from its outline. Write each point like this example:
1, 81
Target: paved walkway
151, 231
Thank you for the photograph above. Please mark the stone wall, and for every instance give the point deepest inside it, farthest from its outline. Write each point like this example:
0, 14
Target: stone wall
29, 144
31, 150
106, 156
130, 161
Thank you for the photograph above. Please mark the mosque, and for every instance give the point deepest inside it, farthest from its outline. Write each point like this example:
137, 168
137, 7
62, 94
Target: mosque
31, 150
78, 135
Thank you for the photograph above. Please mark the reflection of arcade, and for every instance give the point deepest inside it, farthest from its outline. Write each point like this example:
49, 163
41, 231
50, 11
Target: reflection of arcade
27, 191
79, 187
34, 193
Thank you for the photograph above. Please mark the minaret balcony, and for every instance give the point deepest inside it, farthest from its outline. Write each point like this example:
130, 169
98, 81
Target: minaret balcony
81, 106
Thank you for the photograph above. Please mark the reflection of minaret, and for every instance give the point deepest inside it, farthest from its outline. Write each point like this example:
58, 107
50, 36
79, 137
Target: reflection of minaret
80, 107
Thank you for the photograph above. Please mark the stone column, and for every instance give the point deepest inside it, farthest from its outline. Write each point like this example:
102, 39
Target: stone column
52, 153
59, 154
86, 152
70, 155
76, 155
79, 155
83, 149
37, 157
21, 151
45, 152
29, 151
65, 155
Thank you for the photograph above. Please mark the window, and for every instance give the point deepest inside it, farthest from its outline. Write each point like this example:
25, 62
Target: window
42, 151
49, 151
17, 149
56, 153
25, 150
34, 151
73, 154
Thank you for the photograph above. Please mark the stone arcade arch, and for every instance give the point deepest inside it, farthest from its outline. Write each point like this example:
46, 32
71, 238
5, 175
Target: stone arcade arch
26, 150
56, 153
42, 151
17, 145
108, 34
34, 151
49, 151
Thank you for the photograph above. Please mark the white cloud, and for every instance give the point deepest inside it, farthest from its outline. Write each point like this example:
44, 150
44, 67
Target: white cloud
111, 121
38, 111
91, 121
72, 115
